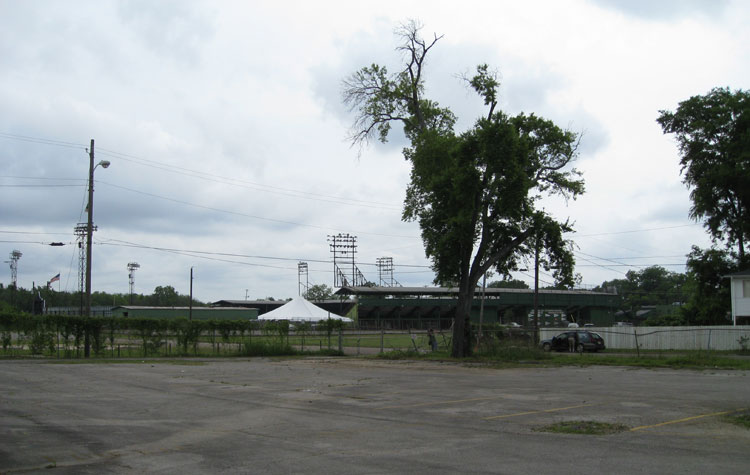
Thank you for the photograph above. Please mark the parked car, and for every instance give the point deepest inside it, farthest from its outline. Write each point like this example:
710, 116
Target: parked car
585, 341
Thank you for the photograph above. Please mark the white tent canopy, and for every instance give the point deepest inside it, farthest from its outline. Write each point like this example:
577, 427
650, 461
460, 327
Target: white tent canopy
300, 310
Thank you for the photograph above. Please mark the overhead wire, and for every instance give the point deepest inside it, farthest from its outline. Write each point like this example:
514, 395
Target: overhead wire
249, 184
635, 230
348, 201
2, 185
282, 191
246, 215
38, 140
120, 242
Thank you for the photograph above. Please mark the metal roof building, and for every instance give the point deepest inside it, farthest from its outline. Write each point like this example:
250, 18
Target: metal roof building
422, 307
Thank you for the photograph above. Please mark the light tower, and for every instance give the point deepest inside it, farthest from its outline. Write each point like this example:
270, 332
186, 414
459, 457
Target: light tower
345, 270
132, 266
385, 272
14, 256
80, 231
302, 273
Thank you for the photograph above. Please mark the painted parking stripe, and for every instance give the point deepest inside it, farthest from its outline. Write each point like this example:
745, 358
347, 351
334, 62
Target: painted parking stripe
517, 414
684, 419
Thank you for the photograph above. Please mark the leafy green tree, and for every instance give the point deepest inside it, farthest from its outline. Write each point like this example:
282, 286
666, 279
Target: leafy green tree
319, 292
474, 194
710, 296
508, 284
166, 296
713, 135
650, 286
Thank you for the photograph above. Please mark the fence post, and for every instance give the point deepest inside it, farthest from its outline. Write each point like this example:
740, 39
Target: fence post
341, 343
709, 340
382, 337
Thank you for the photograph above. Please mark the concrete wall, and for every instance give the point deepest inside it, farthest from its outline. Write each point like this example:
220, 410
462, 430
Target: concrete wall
666, 338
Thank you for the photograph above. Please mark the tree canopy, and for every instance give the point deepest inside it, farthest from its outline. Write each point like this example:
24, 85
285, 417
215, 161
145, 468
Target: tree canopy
651, 286
474, 194
508, 284
708, 288
318, 293
713, 135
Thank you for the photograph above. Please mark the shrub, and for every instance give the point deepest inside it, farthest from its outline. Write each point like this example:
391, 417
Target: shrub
268, 348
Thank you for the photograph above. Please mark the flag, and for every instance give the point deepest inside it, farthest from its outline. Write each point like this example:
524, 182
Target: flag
55, 278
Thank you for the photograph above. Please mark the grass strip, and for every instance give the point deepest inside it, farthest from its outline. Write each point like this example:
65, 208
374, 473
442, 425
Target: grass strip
583, 427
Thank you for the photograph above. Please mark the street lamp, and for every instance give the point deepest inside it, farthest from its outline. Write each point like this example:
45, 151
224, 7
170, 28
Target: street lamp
89, 235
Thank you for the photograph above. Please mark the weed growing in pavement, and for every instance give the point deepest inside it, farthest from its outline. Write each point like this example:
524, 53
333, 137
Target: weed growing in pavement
741, 419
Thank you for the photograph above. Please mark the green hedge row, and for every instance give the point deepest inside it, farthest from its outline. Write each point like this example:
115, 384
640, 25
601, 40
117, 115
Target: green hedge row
39, 332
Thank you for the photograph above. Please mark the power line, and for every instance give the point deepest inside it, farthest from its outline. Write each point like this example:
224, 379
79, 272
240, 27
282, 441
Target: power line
16, 177
40, 186
43, 141
249, 184
636, 230
632, 265
613, 262
119, 242
30, 232
210, 177
237, 213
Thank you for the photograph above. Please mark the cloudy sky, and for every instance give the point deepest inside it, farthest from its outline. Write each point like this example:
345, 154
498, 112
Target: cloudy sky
226, 134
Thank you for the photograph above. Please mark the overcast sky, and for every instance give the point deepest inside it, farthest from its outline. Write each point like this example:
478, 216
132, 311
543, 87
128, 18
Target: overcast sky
226, 134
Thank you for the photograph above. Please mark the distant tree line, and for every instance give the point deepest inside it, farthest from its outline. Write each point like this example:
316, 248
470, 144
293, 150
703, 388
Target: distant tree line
23, 299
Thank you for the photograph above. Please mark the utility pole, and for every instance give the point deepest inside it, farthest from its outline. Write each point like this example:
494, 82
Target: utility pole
190, 312
89, 234
536, 290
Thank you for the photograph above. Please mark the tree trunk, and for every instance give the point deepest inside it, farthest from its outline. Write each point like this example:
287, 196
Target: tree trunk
462, 324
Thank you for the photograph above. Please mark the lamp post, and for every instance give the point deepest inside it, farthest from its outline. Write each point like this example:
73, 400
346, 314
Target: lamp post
89, 235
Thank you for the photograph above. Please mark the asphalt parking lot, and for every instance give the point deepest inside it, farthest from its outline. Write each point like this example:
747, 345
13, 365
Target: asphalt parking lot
354, 415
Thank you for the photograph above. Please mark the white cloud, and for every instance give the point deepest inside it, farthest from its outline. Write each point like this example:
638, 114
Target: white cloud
247, 97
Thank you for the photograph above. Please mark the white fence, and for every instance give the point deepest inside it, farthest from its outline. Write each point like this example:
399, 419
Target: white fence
667, 338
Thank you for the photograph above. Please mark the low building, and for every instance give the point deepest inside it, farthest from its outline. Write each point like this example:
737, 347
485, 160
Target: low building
740, 287
435, 307
198, 313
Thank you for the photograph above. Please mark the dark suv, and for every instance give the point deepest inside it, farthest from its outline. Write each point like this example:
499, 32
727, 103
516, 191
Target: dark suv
584, 341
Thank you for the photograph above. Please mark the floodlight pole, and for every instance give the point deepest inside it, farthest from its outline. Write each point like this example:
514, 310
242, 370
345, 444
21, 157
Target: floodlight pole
89, 235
